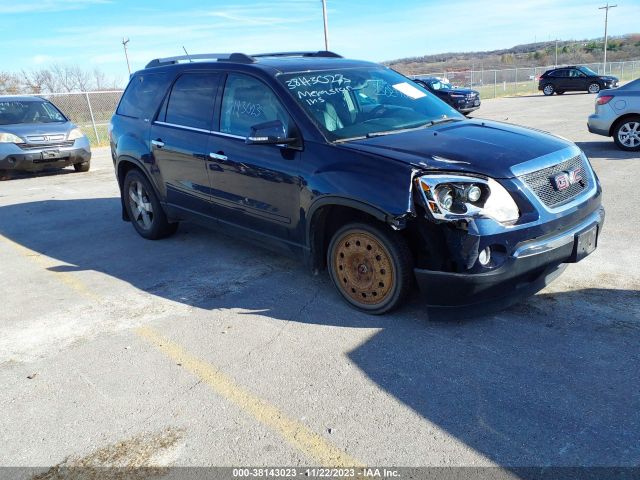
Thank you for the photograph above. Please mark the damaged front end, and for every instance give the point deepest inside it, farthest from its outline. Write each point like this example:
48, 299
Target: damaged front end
474, 234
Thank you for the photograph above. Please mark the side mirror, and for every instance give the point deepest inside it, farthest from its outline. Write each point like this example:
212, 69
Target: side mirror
269, 133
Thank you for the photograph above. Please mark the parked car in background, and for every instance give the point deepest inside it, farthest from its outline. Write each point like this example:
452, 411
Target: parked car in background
617, 115
463, 100
574, 79
35, 135
357, 170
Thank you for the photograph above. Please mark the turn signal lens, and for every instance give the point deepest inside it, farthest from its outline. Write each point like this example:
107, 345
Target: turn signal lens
603, 100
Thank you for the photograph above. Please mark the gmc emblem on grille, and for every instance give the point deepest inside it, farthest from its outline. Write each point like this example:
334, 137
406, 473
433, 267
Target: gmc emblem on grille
564, 180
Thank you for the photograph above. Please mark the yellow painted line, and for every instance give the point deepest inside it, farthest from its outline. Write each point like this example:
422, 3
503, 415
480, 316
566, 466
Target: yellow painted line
46, 262
294, 432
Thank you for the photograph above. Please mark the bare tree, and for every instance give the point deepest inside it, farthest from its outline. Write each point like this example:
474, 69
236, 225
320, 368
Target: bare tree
9, 83
81, 79
99, 79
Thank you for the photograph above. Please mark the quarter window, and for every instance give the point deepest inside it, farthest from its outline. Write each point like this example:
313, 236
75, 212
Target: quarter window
191, 101
247, 102
142, 96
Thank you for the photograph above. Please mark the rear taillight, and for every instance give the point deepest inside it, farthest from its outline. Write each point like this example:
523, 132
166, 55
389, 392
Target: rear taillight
603, 100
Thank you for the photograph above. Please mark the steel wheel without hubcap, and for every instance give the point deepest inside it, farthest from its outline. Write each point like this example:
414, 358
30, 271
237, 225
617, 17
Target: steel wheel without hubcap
627, 135
370, 266
594, 88
140, 205
364, 268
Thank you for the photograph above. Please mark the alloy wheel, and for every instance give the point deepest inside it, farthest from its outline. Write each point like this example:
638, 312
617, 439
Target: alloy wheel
140, 204
594, 88
629, 134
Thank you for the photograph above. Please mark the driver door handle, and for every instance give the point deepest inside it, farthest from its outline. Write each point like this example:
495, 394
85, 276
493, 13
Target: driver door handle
157, 143
218, 156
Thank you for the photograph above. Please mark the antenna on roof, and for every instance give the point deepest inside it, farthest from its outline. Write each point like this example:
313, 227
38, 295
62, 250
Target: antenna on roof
188, 56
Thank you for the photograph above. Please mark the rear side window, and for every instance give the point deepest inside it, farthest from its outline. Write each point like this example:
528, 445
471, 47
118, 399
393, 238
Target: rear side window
142, 96
191, 101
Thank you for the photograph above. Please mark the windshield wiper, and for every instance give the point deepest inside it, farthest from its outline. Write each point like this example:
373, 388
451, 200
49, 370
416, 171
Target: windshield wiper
426, 125
389, 132
441, 120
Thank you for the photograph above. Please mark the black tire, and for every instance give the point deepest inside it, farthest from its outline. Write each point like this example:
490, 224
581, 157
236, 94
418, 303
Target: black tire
626, 134
370, 266
82, 167
560, 92
548, 89
593, 87
148, 217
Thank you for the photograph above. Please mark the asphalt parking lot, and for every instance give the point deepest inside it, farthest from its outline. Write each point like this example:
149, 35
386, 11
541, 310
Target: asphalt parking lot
204, 350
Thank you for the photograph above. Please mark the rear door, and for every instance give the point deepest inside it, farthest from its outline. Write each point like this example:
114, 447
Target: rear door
180, 138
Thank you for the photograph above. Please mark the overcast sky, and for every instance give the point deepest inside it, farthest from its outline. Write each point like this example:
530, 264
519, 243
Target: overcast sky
89, 32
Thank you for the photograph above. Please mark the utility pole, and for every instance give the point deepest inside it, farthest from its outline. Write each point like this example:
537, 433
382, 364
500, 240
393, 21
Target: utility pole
125, 40
606, 20
326, 27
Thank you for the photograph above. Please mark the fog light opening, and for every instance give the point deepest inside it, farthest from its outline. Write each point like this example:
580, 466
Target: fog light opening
484, 257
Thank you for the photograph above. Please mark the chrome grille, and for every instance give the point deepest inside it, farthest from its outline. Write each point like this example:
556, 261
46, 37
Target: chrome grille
53, 137
541, 182
44, 146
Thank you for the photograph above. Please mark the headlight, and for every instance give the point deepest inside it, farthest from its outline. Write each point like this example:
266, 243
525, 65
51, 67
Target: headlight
10, 138
456, 197
75, 134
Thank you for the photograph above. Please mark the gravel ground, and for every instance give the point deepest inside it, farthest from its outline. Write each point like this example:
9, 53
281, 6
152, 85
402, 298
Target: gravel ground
204, 350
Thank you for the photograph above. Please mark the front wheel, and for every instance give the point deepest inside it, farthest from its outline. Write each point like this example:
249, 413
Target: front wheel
370, 266
548, 89
594, 87
82, 167
144, 209
626, 134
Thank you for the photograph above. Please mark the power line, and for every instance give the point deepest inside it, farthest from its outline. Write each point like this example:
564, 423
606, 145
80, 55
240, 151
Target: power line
606, 20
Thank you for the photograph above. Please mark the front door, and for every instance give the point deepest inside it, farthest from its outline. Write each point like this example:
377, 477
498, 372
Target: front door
180, 139
254, 186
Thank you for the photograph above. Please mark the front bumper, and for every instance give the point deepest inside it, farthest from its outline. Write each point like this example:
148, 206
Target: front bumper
12, 157
533, 264
468, 107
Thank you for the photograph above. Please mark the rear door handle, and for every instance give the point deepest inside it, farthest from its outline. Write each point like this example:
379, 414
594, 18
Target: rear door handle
218, 156
157, 143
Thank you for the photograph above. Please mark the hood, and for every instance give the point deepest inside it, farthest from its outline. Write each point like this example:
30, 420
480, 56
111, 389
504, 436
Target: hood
464, 91
473, 146
28, 129
609, 77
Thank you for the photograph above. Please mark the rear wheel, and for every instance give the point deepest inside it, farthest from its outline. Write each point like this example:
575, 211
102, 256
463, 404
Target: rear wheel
594, 87
548, 89
82, 167
626, 134
144, 209
370, 267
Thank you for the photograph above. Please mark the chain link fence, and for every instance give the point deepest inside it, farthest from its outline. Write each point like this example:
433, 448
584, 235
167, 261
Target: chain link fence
91, 111
522, 81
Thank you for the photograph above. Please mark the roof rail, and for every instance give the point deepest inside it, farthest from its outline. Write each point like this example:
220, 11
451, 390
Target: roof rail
319, 53
228, 57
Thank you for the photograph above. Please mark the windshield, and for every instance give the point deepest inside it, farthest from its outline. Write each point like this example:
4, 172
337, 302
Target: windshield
18, 111
587, 70
360, 102
441, 84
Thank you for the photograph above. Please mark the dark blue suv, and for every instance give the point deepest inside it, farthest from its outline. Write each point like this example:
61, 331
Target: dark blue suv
354, 168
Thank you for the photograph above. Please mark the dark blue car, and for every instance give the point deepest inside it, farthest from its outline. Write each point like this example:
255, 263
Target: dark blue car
356, 169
